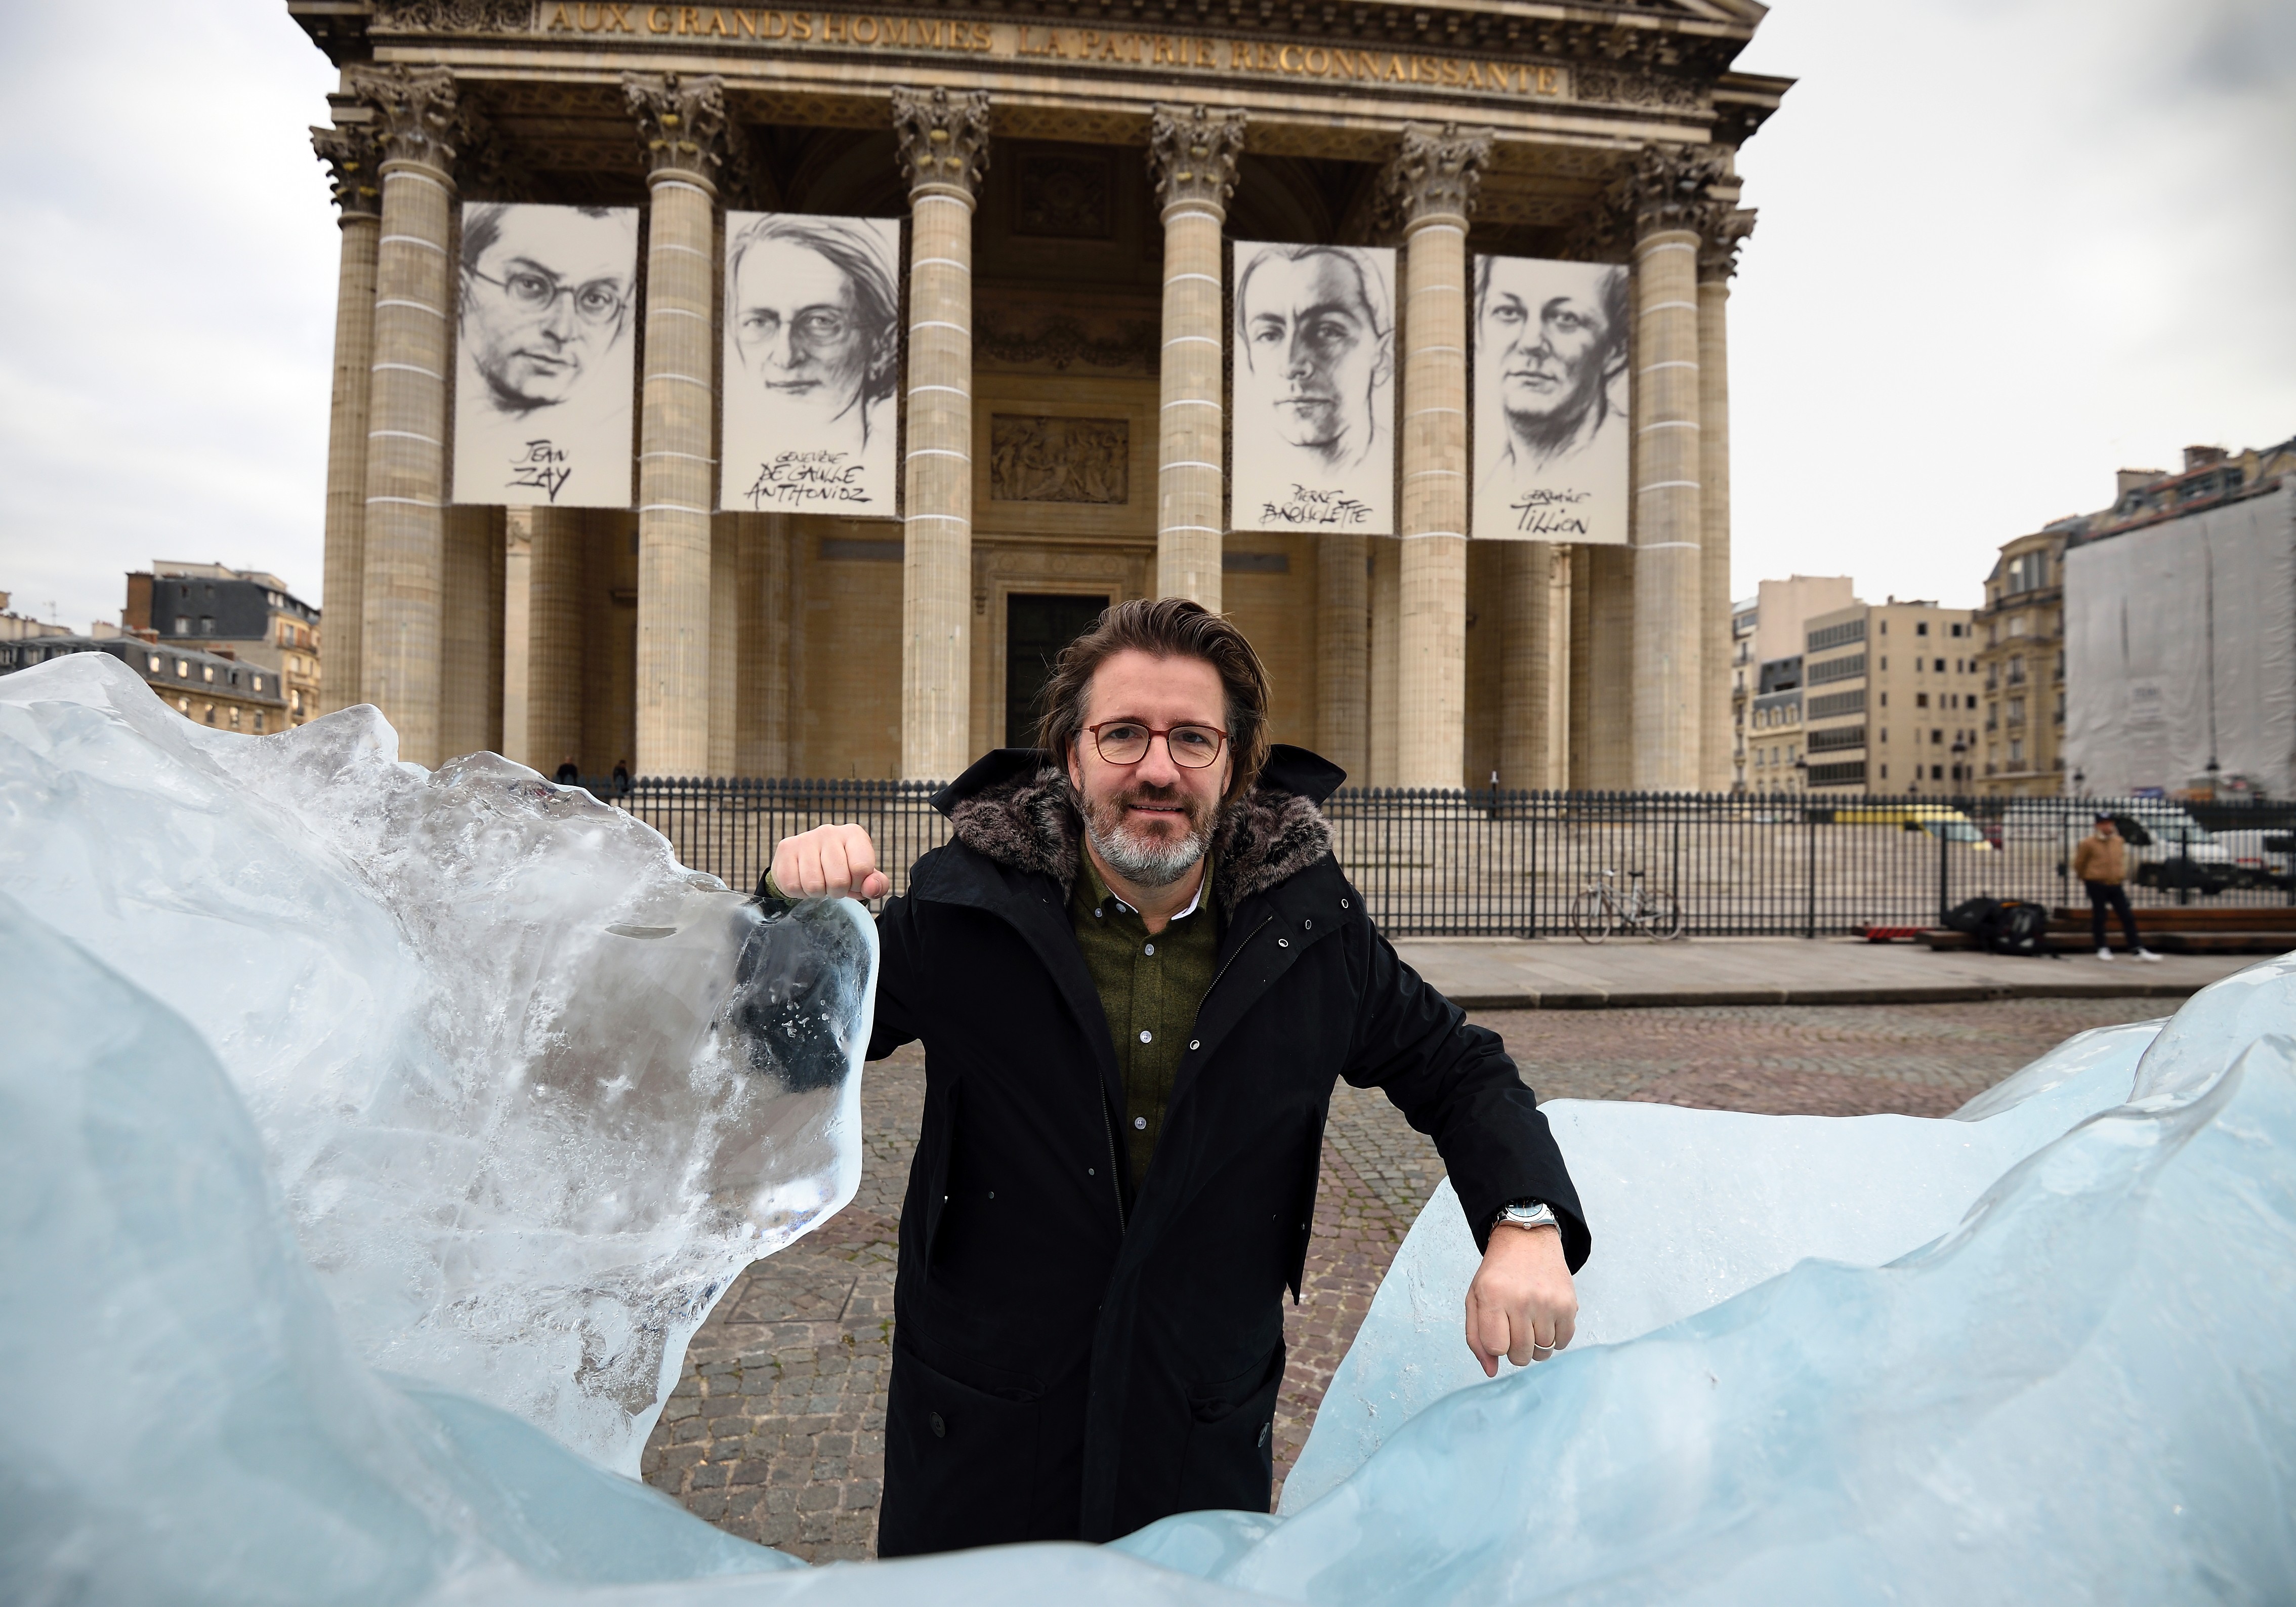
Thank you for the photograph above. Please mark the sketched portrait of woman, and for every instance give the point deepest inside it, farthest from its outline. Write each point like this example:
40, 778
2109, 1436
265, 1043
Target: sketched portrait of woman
812, 361
1551, 400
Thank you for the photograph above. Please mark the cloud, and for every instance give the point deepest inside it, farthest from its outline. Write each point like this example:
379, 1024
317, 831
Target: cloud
2007, 247
167, 303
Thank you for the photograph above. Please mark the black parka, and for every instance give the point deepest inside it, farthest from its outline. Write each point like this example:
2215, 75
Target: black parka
1065, 1368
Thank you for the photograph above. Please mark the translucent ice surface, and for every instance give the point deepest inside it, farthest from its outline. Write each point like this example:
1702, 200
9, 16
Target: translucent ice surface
532, 1092
339, 1100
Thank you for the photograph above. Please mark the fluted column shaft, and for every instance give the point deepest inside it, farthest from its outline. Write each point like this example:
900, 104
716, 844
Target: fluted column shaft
471, 631
944, 148
1386, 740
674, 474
725, 644
1342, 655
1192, 152
1433, 672
763, 581
405, 538
1714, 520
353, 155
1529, 715
558, 556
1669, 538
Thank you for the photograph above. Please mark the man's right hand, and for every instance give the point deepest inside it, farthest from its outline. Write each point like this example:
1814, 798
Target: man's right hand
829, 862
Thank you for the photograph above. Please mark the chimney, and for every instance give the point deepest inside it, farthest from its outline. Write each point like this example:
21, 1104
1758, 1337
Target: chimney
137, 616
2136, 479
2200, 457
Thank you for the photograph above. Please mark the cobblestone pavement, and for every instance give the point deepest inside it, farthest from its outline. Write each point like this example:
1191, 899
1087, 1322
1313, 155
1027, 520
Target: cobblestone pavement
776, 1431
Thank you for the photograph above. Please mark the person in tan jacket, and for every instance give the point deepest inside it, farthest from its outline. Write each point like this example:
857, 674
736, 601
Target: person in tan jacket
2101, 860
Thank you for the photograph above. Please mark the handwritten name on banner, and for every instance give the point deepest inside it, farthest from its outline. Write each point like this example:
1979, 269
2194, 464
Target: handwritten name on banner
1028, 41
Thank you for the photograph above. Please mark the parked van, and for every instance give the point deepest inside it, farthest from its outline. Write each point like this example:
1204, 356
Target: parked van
1936, 819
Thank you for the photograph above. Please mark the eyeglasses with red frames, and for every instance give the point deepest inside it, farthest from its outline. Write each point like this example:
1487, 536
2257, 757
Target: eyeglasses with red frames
1126, 743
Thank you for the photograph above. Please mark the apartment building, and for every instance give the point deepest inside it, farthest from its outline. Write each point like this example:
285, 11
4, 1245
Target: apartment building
1890, 699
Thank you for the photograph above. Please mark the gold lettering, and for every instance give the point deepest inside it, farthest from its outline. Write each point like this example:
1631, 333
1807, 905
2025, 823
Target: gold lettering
1451, 72
833, 28
1091, 43
854, 30
745, 23
657, 20
1317, 62
559, 22
717, 25
689, 19
1549, 81
801, 25
981, 38
1162, 52
1283, 58
616, 19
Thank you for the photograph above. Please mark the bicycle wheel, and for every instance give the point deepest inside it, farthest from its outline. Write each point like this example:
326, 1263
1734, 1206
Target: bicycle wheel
1663, 916
1592, 917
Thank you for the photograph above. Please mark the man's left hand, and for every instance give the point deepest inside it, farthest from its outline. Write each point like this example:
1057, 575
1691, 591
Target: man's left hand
1522, 1304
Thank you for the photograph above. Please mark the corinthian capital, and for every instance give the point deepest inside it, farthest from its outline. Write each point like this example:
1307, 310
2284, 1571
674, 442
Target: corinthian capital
1725, 232
1192, 152
944, 138
417, 114
354, 159
1668, 186
1434, 173
681, 121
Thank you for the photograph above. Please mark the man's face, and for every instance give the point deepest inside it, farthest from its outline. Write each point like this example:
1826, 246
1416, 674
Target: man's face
1548, 349
1152, 819
545, 303
2105, 828
796, 325
1311, 343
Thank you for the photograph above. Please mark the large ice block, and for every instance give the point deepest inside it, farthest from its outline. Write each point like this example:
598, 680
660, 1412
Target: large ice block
533, 1092
1692, 1207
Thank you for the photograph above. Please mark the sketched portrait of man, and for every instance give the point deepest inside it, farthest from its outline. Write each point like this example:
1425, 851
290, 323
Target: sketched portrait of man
544, 343
1550, 422
1314, 393
812, 348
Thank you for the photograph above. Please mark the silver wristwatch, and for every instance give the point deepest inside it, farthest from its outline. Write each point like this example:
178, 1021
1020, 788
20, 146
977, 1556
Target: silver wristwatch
1526, 1213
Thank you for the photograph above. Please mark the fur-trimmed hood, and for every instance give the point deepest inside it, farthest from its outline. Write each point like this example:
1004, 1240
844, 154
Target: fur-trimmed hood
1017, 810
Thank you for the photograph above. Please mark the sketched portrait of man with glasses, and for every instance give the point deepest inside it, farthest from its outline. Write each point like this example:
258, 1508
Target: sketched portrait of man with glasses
1315, 333
812, 328
543, 388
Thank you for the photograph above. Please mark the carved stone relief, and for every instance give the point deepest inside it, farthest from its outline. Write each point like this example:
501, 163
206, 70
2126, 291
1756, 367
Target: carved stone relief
1063, 195
1191, 151
943, 137
1036, 459
453, 16
1004, 339
1434, 173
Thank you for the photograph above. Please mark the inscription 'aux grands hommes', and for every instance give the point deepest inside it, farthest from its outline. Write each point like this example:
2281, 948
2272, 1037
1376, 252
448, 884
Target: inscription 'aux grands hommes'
1113, 47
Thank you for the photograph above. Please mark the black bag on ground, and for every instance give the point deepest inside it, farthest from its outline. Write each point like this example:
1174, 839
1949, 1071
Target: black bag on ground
2018, 929
1973, 917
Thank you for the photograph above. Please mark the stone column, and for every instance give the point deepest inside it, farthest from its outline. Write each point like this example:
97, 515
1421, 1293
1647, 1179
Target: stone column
1386, 660
762, 748
682, 126
1430, 186
1192, 152
1342, 655
1717, 260
558, 558
1668, 190
1528, 714
400, 604
1603, 668
353, 160
517, 632
471, 631
943, 147
725, 643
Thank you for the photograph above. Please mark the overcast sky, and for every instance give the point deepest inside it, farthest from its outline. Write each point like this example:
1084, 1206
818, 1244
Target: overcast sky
2007, 247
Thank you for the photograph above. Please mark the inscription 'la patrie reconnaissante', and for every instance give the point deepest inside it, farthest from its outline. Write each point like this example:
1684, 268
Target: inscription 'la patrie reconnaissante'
1115, 48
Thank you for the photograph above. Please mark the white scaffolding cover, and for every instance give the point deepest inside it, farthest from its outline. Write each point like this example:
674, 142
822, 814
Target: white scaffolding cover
2140, 612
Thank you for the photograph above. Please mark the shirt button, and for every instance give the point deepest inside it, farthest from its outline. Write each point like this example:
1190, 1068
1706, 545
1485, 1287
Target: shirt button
1147, 1036
1193, 1043
1151, 949
1140, 1122
1282, 942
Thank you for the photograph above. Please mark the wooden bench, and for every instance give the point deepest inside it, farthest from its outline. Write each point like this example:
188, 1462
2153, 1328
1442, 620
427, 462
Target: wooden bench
2184, 929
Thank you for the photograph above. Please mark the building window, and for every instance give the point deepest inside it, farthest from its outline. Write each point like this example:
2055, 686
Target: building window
210, 714
153, 658
1921, 700
234, 720
1936, 739
1885, 772
2016, 752
258, 721
1921, 627
207, 674
182, 626
2017, 626
1937, 772
207, 625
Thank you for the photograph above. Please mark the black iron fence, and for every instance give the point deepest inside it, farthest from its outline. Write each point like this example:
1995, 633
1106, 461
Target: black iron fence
1509, 864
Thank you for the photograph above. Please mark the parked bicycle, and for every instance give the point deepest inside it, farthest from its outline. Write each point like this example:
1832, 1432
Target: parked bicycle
1602, 909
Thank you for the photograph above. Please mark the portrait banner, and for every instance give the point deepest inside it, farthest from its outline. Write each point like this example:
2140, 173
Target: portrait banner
1552, 414
545, 334
813, 363
1312, 414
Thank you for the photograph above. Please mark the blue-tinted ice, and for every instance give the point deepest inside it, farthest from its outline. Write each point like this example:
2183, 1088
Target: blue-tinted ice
339, 1099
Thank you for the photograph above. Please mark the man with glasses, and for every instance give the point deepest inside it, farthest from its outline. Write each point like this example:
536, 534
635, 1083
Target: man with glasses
541, 397
1137, 971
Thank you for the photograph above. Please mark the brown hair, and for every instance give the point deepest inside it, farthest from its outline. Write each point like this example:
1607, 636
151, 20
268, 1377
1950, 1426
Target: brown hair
1170, 627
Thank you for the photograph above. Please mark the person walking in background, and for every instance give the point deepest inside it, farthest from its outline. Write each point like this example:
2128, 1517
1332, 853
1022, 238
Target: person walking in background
2101, 860
569, 774
622, 778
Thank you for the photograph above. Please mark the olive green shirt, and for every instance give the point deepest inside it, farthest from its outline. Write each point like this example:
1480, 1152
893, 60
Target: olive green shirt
1149, 988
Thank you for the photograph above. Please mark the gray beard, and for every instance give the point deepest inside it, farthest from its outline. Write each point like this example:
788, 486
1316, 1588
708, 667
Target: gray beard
1143, 864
